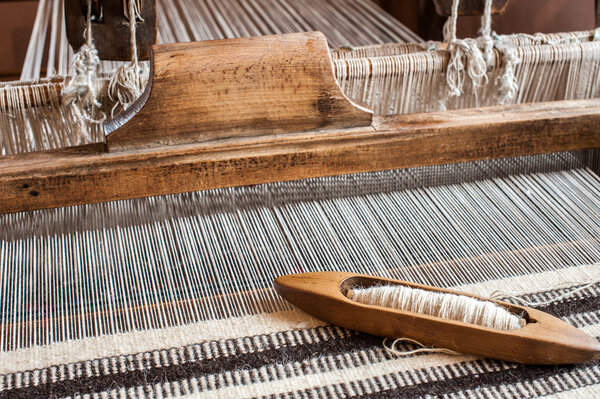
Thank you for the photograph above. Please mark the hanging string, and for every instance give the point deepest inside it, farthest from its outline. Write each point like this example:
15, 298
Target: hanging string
486, 34
465, 58
508, 84
129, 80
82, 88
455, 72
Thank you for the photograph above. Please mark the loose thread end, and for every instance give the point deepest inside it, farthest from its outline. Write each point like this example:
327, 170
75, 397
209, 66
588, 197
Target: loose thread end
420, 348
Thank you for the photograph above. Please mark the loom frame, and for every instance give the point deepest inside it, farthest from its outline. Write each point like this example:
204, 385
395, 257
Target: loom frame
339, 141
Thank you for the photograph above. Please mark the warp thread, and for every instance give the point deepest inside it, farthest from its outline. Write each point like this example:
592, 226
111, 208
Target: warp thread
129, 80
81, 90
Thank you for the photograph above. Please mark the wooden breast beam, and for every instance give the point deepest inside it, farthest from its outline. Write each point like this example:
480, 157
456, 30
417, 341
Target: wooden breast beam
249, 111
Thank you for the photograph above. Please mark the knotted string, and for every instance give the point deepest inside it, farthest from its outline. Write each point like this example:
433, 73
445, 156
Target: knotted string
486, 34
465, 59
129, 80
82, 88
508, 84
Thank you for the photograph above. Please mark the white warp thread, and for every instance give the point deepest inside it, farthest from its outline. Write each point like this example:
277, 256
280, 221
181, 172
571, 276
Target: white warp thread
444, 305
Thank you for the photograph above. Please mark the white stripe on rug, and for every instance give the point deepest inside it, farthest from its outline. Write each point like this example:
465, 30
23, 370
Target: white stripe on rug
589, 392
150, 340
537, 282
349, 375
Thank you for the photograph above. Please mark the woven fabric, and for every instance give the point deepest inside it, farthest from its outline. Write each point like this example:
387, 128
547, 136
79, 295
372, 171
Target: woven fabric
290, 354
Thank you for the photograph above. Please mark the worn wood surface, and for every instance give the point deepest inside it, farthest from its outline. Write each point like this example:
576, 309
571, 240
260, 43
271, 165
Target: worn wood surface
244, 87
468, 7
88, 174
545, 339
111, 34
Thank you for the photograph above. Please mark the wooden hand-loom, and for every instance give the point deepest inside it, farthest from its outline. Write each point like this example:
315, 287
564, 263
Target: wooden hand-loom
255, 110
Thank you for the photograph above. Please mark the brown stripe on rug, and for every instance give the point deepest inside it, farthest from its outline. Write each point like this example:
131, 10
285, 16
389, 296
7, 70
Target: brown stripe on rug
526, 381
487, 382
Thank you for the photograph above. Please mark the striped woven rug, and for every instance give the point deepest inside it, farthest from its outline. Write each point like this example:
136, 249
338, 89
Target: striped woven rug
292, 355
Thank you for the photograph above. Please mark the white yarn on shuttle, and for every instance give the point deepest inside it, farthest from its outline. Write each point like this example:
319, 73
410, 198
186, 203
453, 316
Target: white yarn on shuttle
443, 305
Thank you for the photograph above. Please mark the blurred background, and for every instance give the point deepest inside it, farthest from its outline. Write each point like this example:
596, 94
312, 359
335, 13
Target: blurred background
528, 16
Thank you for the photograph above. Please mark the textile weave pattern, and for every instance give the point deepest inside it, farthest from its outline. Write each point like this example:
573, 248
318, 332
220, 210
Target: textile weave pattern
291, 355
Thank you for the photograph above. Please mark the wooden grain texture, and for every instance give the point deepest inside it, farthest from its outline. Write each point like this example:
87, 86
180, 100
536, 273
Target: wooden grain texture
244, 87
111, 35
89, 174
544, 339
468, 7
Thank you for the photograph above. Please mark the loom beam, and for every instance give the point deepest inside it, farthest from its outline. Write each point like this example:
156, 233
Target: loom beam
265, 125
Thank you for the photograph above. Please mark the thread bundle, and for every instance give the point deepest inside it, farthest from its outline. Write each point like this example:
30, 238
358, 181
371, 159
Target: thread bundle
444, 305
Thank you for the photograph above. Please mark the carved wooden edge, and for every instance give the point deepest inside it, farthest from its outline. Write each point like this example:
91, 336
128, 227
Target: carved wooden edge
88, 174
203, 91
